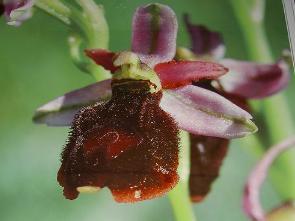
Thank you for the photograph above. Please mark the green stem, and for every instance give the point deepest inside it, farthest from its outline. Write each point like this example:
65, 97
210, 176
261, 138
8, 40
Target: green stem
88, 29
75, 40
179, 196
95, 28
253, 30
56, 9
95, 24
277, 115
181, 203
253, 145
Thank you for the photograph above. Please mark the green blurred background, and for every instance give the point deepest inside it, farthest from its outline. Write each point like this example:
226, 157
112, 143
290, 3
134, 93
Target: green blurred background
35, 67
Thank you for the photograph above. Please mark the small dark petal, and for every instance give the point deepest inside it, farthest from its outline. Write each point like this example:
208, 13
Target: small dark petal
204, 41
102, 57
207, 154
127, 144
206, 84
175, 74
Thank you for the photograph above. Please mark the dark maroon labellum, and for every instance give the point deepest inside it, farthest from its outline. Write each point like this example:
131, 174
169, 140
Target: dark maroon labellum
207, 154
127, 144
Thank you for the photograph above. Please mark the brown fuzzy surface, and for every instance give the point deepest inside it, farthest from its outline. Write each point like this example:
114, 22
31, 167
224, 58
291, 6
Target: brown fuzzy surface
207, 154
127, 144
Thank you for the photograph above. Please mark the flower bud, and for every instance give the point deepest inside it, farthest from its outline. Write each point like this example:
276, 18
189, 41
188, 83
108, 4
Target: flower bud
286, 212
17, 11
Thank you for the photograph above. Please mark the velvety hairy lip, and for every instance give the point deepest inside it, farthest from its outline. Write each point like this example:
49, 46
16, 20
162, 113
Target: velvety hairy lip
127, 144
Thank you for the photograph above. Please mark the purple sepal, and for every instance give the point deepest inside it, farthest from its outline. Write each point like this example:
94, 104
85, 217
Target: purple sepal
154, 34
17, 11
202, 112
253, 80
204, 42
61, 111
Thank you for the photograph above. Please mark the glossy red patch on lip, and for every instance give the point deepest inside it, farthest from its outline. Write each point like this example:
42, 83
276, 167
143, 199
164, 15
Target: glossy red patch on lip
115, 142
207, 154
127, 144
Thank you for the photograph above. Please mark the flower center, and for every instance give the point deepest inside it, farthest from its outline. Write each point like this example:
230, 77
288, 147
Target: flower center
132, 68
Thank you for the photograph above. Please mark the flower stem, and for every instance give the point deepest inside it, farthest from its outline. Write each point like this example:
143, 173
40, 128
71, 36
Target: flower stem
179, 196
88, 27
276, 113
95, 24
56, 9
253, 145
181, 203
95, 31
253, 30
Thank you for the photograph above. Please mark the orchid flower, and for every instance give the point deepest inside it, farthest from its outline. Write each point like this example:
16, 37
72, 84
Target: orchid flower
251, 202
245, 80
124, 132
16, 11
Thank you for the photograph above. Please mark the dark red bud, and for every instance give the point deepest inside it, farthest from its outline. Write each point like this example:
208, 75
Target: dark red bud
207, 154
